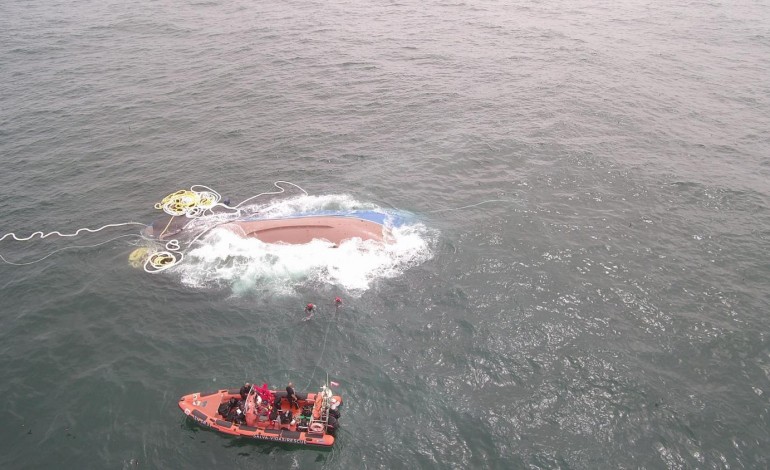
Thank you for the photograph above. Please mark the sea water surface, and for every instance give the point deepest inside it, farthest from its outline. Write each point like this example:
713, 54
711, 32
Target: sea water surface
586, 286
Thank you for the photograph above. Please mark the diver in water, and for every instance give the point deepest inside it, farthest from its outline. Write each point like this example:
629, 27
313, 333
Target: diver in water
309, 311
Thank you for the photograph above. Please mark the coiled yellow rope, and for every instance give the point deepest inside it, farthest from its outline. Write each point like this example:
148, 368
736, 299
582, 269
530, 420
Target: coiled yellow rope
188, 202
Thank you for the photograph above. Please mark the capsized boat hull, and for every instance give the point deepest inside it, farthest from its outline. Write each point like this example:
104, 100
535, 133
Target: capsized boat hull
203, 409
332, 226
301, 230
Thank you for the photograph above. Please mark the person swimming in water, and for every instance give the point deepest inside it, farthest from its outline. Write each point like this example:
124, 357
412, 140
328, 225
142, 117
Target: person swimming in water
309, 311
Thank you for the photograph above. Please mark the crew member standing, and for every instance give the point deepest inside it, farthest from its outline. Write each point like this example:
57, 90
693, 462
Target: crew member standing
245, 390
291, 396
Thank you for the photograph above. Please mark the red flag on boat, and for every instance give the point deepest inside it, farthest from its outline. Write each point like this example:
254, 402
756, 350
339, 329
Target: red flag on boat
334, 384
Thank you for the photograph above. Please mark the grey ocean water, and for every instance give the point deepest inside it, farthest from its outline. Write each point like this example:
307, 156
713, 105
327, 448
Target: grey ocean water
598, 173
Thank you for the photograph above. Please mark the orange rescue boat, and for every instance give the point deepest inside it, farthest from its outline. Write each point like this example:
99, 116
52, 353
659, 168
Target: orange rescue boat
268, 415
